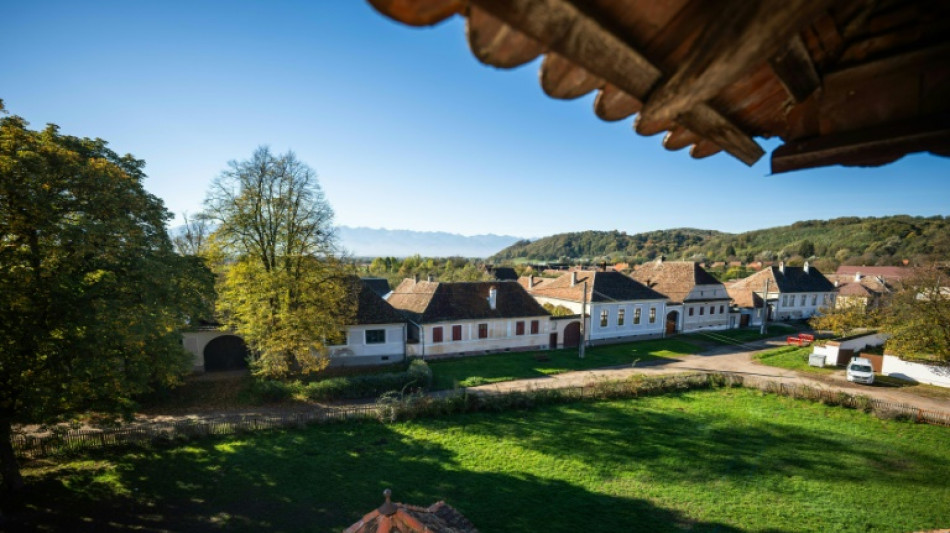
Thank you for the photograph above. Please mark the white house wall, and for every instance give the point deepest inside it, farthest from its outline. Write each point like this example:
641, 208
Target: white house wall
357, 351
195, 343
614, 331
919, 372
501, 337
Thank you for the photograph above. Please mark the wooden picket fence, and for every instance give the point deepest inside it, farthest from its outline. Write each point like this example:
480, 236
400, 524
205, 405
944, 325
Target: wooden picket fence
31, 446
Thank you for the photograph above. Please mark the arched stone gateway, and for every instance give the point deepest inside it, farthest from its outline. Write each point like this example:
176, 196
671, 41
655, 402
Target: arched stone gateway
572, 335
227, 352
672, 319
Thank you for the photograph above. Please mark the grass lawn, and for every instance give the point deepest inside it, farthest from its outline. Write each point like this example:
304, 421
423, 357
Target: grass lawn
723, 460
792, 358
734, 336
479, 370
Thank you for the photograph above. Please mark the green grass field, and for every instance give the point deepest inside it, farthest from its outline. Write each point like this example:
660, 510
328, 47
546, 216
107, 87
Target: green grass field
792, 358
735, 336
483, 369
723, 460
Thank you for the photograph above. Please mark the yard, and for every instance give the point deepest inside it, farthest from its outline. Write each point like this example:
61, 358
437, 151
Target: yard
792, 358
480, 370
738, 336
717, 460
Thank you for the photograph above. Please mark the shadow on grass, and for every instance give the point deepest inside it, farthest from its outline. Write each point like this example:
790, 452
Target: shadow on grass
302, 481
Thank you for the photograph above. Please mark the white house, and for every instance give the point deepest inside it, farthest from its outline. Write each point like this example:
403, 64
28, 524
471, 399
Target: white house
618, 308
698, 301
788, 292
450, 319
376, 335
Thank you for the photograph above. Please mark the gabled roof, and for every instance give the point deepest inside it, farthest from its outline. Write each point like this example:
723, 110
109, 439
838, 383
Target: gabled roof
601, 287
427, 302
675, 279
379, 285
863, 287
390, 517
887, 272
742, 297
786, 279
370, 306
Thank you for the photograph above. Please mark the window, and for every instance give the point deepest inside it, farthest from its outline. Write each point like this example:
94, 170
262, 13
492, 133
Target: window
483, 331
653, 315
636, 316
803, 299
814, 299
603, 318
784, 300
437, 334
519, 327
701, 311
535, 327
620, 316
456, 333
722, 309
375, 336
691, 311
712, 309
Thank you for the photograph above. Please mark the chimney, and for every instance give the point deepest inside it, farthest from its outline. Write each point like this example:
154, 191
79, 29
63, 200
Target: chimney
415, 278
781, 266
659, 260
573, 278
430, 278
530, 281
836, 283
857, 276
806, 267
493, 298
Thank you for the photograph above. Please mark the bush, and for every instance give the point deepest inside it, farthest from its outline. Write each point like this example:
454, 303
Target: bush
417, 377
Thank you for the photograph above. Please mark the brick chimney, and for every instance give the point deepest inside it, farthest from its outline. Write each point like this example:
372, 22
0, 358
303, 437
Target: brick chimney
493, 298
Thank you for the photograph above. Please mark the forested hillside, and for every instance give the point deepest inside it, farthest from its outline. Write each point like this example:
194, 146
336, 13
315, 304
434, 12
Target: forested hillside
596, 244
884, 240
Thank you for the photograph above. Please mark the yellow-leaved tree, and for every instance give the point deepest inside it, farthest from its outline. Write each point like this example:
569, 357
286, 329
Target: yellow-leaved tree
282, 285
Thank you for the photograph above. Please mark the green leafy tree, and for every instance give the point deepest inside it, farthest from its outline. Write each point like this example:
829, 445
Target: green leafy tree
918, 317
92, 295
281, 283
843, 320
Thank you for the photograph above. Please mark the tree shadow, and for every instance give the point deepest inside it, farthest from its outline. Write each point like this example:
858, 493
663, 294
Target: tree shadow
318, 479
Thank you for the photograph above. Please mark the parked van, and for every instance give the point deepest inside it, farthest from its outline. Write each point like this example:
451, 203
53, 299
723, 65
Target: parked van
860, 370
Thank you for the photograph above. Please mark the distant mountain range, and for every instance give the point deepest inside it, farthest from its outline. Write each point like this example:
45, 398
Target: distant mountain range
369, 242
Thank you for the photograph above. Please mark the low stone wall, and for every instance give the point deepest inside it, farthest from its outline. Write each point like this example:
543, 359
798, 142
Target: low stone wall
922, 373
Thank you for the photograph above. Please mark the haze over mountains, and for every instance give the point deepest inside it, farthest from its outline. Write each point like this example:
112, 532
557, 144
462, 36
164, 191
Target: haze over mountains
369, 242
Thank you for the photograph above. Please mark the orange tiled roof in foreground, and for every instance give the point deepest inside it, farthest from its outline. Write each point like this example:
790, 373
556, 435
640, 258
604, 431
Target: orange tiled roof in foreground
391, 517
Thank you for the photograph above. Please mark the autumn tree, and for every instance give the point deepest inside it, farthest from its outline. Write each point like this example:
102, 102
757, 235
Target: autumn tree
281, 284
92, 295
918, 316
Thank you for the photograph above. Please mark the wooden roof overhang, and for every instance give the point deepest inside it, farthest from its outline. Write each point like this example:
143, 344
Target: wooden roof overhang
850, 82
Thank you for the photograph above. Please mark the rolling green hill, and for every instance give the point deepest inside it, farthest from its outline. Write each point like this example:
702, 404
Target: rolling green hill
871, 241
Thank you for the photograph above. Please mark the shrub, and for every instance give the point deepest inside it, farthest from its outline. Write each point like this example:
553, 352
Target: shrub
417, 377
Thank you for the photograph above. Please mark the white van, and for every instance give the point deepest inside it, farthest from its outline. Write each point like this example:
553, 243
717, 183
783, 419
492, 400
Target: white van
860, 370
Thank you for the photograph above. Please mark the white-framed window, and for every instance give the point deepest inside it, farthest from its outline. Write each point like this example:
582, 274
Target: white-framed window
804, 297
653, 315
375, 336
785, 300
603, 318
814, 299
620, 316
636, 316
691, 309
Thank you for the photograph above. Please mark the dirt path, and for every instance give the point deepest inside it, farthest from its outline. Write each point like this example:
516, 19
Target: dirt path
739, 360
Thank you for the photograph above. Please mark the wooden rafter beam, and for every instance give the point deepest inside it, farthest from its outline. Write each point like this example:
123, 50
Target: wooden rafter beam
870, 147
795, 69
579, 38
743, 34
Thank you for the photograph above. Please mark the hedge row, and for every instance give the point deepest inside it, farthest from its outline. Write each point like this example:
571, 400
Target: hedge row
416, 378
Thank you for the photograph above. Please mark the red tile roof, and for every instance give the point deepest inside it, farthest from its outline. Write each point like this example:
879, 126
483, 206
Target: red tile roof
391, 517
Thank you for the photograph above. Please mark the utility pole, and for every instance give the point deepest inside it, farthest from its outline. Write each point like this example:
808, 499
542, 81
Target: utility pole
765, 307
580, 348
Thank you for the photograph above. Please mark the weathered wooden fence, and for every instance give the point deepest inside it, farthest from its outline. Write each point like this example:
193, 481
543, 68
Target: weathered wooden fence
78, 439
37, 446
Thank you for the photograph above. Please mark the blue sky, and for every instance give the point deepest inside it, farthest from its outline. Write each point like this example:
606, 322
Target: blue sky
405, 128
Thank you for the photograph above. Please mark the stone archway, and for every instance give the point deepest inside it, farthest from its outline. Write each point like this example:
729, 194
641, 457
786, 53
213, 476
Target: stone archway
672, 320
227, 352
572, 335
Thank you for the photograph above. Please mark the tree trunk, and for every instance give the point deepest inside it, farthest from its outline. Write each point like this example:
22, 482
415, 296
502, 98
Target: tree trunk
12, 480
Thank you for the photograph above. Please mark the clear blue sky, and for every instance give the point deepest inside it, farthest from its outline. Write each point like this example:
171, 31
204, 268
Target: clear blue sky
406, 129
